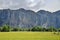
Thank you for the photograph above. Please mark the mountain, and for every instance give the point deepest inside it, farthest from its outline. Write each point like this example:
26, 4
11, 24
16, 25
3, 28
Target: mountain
28, 18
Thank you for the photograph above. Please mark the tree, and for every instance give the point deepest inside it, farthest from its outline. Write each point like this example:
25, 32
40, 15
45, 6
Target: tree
47, 29
15, 29
5, 28
51, 29
0, 29
36, 28
43, 29
59, 29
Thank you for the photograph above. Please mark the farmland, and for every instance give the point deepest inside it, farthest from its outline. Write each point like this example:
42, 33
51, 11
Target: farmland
29, 36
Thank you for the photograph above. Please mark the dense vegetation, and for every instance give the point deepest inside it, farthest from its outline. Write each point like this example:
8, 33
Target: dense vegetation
7, 28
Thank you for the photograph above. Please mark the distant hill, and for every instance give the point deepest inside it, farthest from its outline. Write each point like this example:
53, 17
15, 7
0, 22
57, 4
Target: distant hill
28, 18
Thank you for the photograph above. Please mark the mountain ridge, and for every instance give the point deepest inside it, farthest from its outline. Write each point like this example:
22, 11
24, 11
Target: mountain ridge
28, 18
27, 10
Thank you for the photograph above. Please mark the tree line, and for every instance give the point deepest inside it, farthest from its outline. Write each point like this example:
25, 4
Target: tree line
7, 28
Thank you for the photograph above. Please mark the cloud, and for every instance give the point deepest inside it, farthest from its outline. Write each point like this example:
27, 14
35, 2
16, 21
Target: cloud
52, 5
49, 5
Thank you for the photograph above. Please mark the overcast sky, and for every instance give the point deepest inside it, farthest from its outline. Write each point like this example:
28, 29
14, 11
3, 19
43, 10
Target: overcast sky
35, 5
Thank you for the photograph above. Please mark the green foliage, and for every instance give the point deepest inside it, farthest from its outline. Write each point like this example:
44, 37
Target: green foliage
39, 28
5, 28
0, 29
43, 29
15, 29
36, 28
51, 29
59, 29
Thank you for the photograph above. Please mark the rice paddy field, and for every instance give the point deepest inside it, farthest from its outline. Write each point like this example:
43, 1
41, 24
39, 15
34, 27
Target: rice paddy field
29, 36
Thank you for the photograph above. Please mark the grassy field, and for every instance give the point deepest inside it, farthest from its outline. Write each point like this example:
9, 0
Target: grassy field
28, 36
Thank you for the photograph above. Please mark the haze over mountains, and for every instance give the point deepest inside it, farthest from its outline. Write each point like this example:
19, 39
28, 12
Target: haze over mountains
28, 18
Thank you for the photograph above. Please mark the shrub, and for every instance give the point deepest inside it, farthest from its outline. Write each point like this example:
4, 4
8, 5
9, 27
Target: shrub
15, 29
5, 28
36, 28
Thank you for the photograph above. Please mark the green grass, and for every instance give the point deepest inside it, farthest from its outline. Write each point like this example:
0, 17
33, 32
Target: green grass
28, 36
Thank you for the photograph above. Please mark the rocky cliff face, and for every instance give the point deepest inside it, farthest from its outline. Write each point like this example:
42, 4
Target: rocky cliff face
27, 18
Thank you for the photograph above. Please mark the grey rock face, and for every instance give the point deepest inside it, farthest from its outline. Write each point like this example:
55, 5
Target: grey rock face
27, 18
